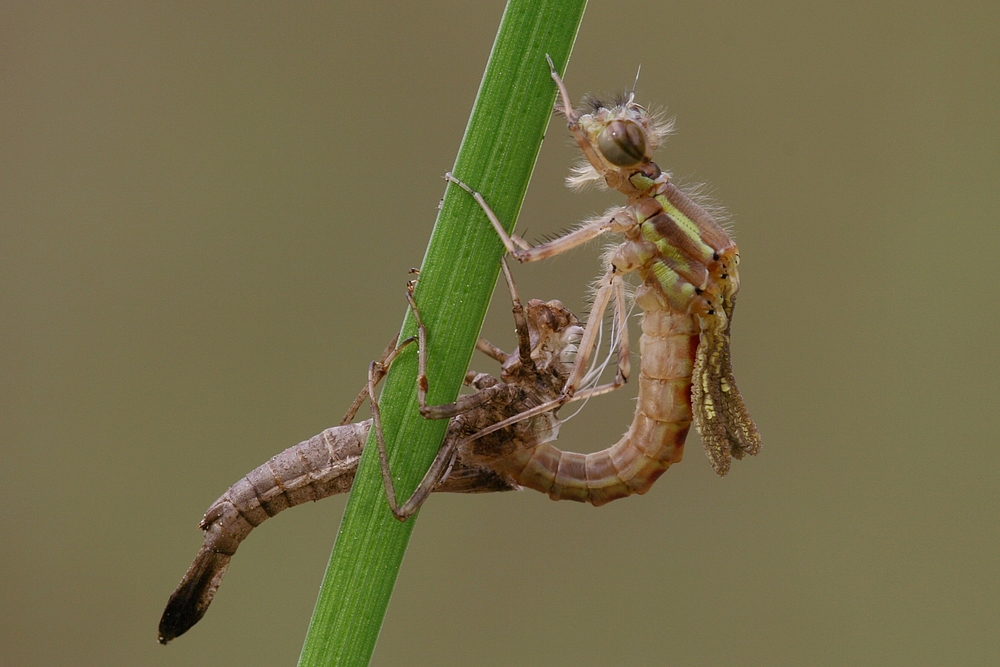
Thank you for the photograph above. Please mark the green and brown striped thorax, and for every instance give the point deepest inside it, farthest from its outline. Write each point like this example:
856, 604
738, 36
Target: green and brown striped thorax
693, 255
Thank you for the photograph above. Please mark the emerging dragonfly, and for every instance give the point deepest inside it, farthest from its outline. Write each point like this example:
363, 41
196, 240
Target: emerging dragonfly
325, 464
501, 437
688, 267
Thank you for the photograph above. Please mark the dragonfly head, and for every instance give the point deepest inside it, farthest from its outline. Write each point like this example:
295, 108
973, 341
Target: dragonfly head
621, 137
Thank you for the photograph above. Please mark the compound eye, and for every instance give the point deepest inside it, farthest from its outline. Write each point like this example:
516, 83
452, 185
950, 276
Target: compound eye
623, 143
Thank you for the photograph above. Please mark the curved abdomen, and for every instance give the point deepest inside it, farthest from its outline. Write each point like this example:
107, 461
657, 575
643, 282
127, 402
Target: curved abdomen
654, 441
311, 470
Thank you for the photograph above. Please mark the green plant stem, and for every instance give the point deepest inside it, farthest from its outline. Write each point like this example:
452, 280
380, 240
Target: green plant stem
457, 278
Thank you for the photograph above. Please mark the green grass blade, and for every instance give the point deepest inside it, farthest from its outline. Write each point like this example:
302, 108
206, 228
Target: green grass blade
457, 278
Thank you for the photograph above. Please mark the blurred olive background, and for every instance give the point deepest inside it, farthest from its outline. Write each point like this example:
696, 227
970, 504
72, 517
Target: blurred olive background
208, 212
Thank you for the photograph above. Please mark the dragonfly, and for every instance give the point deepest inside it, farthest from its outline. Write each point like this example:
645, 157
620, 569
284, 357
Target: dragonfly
548, 335
687, 265
500, 438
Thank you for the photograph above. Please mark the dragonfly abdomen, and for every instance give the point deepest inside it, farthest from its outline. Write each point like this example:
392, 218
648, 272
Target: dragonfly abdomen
654, 441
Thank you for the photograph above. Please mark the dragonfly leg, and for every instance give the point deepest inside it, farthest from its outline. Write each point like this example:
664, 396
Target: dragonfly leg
621, 347
491, 351
611, 287
487, 384
390, 353
445, 459
439, 468
464, 403
614, 219
520, 320
520, 328
446, 456
443, 462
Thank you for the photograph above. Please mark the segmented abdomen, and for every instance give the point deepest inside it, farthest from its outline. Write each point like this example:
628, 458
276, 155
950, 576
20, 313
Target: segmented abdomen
654, 441
314, 469
311, 470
